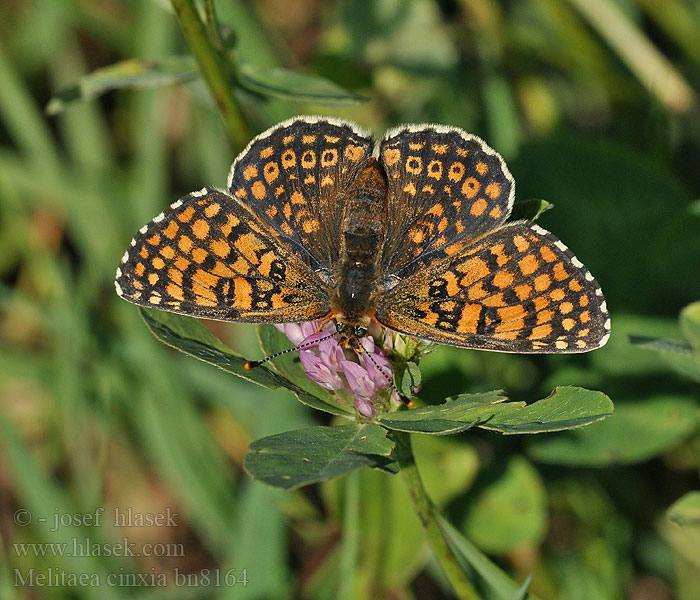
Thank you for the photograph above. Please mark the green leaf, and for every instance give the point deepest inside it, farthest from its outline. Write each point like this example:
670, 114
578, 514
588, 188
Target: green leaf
454, 415
447, 466
289, 366
638, 431
565, 408
132, 73
295, 458
529, 210
506, 509
491, 574
387, 526
694, 208
619, 358
410, 379
685, 512
188, 335
682, 529
299, 87
690, 326
679, 355
521, 594
661, 345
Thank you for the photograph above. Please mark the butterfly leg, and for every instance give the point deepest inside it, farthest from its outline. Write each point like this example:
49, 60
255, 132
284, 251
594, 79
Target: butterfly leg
327, 319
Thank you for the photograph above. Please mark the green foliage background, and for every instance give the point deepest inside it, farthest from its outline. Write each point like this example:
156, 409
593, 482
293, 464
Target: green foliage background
593, 105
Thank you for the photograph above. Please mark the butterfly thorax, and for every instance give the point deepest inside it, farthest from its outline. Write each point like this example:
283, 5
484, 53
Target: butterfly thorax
362, 237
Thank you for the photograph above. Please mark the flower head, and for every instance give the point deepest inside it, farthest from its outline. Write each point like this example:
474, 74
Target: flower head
366, 372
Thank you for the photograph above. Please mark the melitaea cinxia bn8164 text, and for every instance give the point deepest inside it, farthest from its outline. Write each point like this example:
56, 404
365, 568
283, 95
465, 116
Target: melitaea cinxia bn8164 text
319, 222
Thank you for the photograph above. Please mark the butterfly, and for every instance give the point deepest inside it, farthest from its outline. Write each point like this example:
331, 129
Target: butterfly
320, 222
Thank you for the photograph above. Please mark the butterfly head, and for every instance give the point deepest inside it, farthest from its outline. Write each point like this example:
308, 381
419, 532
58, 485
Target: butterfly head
351, 332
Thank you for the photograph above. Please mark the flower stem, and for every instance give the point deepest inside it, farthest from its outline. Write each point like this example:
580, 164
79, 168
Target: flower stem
427, 514
213, 67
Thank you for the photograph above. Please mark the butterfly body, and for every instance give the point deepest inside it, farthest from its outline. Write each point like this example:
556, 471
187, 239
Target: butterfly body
319, 222
353, 291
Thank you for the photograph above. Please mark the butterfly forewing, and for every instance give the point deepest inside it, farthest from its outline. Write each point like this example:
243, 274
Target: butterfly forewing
207, 256
294, 178
446, 188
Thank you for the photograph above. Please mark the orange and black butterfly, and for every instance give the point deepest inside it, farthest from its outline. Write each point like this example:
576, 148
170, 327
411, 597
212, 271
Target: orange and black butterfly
319, 222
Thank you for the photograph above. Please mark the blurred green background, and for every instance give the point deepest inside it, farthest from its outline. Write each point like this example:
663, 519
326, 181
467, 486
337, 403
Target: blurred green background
593, 104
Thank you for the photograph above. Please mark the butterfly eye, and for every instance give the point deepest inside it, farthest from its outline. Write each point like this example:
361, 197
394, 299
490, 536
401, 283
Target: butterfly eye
360, 331
340, 327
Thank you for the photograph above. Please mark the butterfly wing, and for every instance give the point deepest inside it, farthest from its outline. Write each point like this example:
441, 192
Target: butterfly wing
293, 177
517, 289
208, 256
446, 188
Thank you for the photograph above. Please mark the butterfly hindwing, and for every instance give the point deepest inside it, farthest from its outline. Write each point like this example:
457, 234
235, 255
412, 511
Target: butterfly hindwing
518, 289
207, 256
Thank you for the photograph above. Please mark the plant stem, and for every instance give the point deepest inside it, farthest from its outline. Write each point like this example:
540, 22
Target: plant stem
212, 24
350, 549
427, 514
639, 53
213, 69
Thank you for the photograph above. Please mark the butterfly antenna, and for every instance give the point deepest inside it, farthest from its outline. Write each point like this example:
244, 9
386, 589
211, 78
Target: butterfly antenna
407, 401
251, 364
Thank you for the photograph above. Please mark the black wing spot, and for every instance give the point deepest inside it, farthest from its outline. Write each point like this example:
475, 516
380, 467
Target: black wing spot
278, 271
438, 288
